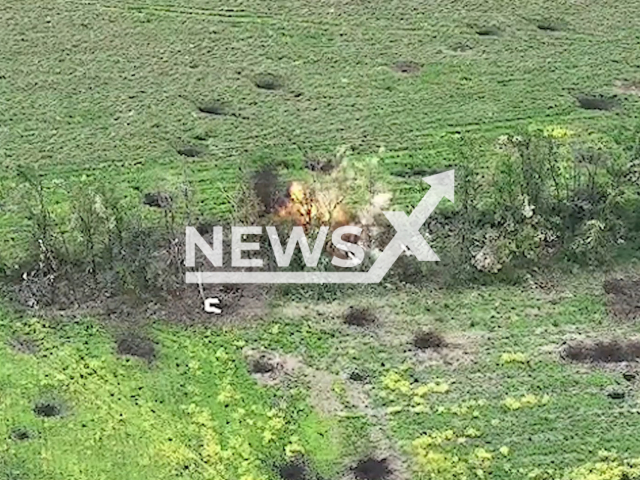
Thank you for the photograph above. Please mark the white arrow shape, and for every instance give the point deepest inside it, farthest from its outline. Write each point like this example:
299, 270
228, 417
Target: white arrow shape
442, 186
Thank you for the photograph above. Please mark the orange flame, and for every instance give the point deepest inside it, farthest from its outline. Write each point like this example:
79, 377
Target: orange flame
307, 209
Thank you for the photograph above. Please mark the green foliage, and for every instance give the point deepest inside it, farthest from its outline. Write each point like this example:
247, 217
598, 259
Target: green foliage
545, 198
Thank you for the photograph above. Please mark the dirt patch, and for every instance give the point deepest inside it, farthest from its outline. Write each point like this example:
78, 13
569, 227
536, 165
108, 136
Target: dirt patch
407, 67
160, 200
133, 345
456, 350
268, 81
190, 151
372, 469
597, 102
270, 368
214, 108
360, 317
21, 434
601, 351
48, 409
23, 345
628, 88
263, 365
623, 297
429, 339
488, 31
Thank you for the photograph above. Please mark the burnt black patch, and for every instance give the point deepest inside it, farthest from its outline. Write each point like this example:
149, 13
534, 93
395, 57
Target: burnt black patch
602, 351
360, 317
597, 102
190, 151
268, 81
372, 469
427, 340
158, 200
47, 409
136, 346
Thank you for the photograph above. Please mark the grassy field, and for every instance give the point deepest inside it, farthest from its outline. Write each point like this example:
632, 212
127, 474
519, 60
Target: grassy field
499, 395
113, 91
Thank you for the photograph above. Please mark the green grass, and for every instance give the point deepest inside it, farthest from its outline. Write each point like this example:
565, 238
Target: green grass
109, 90
106, 92
123, 417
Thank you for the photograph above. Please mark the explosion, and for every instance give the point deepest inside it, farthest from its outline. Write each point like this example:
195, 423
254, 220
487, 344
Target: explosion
308, 208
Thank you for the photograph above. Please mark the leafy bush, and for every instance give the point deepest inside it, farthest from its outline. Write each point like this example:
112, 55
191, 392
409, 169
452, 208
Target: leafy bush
544, 198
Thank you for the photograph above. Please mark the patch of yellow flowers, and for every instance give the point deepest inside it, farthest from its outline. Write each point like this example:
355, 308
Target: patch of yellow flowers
436, 459
526, 401
398, 388
513, 357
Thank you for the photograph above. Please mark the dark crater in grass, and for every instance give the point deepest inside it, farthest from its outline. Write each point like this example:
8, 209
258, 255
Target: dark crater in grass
430, 339
601, 351
549, 26
20, 434
597, 102
190, 151
214, 108
358, 376
372, 469
48, 409
488, 31
407, 67
160, 200
616, 395
262, 365
134, 345
294, 470
359, 317
623, 297
268, 81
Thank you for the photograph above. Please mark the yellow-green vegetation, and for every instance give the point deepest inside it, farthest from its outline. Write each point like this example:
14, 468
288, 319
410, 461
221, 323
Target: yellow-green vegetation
197, 411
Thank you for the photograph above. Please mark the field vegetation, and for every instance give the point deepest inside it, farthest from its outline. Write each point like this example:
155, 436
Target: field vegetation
516, 356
